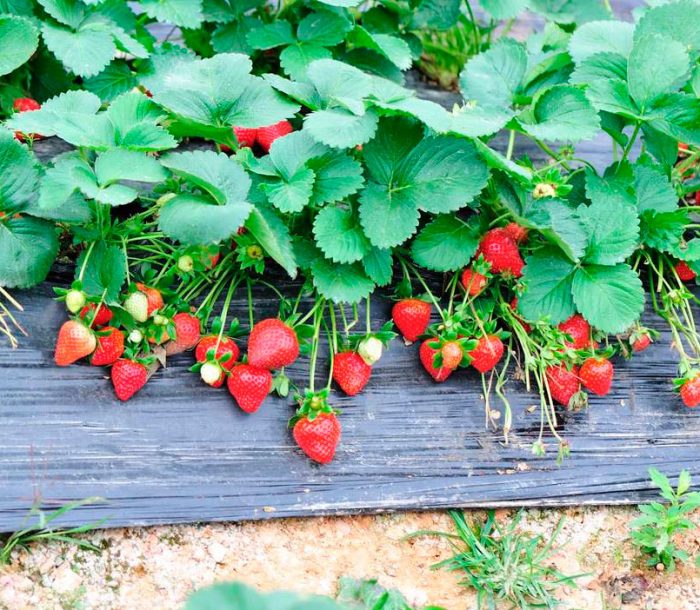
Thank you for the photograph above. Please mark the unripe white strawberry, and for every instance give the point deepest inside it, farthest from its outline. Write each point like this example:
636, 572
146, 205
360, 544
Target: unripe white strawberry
160, 320
370, 350
135, 336
185, 263
210, 373
75, 300
137, 305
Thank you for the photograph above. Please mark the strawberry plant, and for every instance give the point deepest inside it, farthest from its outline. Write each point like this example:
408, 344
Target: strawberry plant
253, 143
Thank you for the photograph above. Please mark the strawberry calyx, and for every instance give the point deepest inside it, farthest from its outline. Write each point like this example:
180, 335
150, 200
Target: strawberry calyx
311, 405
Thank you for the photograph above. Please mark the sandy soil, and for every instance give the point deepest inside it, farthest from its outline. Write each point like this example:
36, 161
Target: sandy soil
157, 567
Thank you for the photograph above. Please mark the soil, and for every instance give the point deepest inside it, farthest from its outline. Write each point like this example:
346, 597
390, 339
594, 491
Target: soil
158, 567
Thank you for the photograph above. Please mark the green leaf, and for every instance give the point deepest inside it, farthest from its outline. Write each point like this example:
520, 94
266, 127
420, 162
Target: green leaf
601, 66
613, 231
233, 37
562, 114
597, 37
679, 21
28, 247
337, 177
504, 9
341, 283
272, 234
663, 230
104, 272
492, 77
612, 95
547, 277
378, 265
18, 41
653, 189
115, 79
19, 174
647, 76
339, 235
677, 115
118, 164
323, 27
392, 47
291, 194
559, 223
85, 51
271, 35
296, 58
340, 128
445, 244
184, 13
610, 298
570, 11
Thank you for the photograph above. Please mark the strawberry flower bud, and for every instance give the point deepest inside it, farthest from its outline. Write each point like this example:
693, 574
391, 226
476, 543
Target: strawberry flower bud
75, 300
370, 350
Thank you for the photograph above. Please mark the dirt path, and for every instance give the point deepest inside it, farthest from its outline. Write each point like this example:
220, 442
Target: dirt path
157, 567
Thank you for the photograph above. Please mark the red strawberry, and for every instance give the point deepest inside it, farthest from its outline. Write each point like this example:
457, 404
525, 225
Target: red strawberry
110, 347
128, 377
411, 317
578, 329
685, 273
75, 341
155, 298
487, 353
499, 249
267, 135
187, 333
452, 355
514, 306
563, 383
272, 344
25, 104
641, 343
517, 233
319, 438
214, 260
596, 375
226, 346
103, 316
351, 372
427, 357
249, 386
245, 136
690, 392
473, 282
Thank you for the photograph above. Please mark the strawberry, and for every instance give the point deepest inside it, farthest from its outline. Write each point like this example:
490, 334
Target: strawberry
154, 297
514, 306
517, 233
427, 357
487, 353
452, 355
272, 344
213, 260
690, 392
75, 341
563, 383
25, 104
318, 438
498, 248
411, 317
136, 304
596, 375
370, 350
641, 343
110, 347
226, 346
267, 135
473, 282
212, 373
578, 329
75, 301
351, 372
187, 333
128, 377
101, 318
249, 386
245, 136
685, 273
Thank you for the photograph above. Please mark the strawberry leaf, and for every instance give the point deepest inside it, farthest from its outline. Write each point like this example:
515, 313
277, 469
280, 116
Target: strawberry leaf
296, 58
233, 37
339, 235
548, 277
104, 272
85, 50
392, 47
18, 175
504, 9
18, 41
273, 235
445, 244
115, 79
610, 298
324, 28
598, 37
337, 176
341, 283
185, 13
678, 20
271, 35
378, 266
28, 247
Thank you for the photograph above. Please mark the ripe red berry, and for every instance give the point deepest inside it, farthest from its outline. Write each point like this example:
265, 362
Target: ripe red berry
690, 392
187, 333
563, 383
319, 438
452, 355
411, 317
596, 375
427, 357
473, 282
351, 372
578, 329
501, 251
487, 353
110, 347
516, 232
249, 386
25, 104
641, 343
128, 377
246, 136
75, 341
267, 135
154, 297
103, 316
272, 344
685, 273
